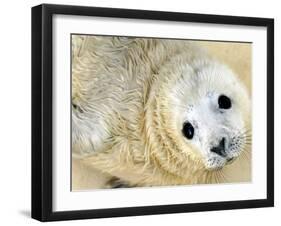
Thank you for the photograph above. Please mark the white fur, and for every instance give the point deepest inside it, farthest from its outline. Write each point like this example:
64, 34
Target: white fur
131, 98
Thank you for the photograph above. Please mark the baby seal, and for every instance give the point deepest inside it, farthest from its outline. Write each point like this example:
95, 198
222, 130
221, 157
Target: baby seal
152, 112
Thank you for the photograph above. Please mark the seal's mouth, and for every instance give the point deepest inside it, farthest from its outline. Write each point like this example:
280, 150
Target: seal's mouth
220, 155
215, 161
230, 160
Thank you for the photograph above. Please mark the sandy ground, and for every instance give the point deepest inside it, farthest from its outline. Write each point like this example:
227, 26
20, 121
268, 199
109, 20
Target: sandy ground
236, 55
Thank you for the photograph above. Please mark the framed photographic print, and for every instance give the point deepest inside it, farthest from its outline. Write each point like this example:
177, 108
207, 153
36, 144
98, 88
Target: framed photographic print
146, 112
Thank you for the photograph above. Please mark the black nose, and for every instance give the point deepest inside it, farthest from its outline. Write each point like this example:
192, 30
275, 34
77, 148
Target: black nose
220, 149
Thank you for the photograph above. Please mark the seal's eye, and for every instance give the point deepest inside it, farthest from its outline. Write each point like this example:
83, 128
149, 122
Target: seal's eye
188, 130
224, 102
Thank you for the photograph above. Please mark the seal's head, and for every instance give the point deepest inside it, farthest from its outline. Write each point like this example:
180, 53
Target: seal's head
213, 113
208, 113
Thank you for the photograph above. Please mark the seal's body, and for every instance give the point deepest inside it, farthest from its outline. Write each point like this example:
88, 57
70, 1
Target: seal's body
157, 112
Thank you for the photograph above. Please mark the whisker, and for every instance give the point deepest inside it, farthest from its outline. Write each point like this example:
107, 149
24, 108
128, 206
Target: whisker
247, 141
245, 135
248, 145
217, 179
246, 155
222, 175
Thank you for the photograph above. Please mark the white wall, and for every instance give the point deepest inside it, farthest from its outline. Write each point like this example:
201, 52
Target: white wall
15, 107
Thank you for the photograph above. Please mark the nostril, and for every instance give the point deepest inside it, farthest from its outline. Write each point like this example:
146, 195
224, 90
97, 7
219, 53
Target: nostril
220, 149
222, 143
217, 150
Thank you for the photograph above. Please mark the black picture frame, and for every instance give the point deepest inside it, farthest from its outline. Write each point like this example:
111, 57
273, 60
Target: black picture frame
42, 85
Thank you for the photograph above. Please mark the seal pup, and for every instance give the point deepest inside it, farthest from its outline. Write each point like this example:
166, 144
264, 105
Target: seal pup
148, 112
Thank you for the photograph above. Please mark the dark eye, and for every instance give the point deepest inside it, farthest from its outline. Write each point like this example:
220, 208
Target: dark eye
188, 130
224, 102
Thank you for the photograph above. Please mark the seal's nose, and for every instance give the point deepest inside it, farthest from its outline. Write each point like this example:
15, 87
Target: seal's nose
220, 149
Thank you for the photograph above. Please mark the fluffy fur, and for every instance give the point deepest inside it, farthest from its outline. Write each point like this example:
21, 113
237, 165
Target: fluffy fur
130, 98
